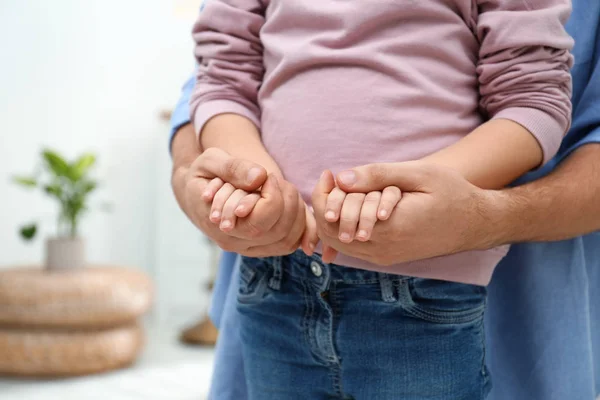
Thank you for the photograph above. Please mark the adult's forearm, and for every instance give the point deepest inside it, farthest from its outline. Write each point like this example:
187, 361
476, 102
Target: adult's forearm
562, 205
184, 150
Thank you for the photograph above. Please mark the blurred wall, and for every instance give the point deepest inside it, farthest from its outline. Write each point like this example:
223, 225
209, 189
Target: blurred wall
94, 75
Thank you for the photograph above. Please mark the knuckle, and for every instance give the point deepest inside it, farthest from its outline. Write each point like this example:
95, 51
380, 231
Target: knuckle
233, 168
377, 174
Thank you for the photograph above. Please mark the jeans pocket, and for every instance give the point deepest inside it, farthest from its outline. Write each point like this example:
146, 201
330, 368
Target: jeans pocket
254, 276
442, 302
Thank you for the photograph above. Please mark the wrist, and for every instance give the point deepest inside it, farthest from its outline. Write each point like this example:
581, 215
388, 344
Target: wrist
493, 225
178, 182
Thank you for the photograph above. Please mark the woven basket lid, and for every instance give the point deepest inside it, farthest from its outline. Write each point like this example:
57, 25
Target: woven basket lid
91, 297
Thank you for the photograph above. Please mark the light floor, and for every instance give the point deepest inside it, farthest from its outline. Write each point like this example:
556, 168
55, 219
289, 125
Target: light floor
165, 371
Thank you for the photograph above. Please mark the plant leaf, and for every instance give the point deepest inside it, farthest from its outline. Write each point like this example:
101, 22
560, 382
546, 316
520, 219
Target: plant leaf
28, 231
80, 167
57, 164
87, 187
25, 181
54, 190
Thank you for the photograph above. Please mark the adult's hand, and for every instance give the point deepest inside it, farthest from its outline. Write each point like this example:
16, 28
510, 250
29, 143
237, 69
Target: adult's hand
440, 213
276, 225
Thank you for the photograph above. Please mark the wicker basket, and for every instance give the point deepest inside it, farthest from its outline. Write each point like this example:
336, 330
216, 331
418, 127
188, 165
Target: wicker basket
67, 353
88, 298
70, 322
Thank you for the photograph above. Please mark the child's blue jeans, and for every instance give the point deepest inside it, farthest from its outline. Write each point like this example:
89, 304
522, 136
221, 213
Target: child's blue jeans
315, 331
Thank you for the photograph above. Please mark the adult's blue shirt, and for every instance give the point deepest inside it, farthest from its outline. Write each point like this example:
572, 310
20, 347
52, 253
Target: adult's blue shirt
543, 318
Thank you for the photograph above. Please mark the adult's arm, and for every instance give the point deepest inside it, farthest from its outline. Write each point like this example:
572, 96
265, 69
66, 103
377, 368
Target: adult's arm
442, 213
562, 205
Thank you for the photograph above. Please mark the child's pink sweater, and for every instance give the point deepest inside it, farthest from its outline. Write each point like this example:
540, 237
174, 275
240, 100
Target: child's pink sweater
333, 84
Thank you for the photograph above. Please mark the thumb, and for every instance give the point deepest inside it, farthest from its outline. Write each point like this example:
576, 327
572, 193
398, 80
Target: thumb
408, 176
242, 174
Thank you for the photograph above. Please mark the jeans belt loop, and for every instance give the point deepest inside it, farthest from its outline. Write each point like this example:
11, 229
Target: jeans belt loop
387, 288
275, 281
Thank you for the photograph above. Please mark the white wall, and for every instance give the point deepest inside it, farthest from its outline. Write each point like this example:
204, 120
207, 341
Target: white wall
94, 75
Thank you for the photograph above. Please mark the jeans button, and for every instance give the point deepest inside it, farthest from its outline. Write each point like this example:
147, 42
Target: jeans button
315, 267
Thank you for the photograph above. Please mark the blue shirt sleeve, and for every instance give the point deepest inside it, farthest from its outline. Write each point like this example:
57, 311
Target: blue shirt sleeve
181, 113
586, 111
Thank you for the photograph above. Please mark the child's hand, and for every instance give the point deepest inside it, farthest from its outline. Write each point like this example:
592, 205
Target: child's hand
359, 209
228, 203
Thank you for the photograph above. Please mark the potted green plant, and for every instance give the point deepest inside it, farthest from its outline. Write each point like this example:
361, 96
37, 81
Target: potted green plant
70, 184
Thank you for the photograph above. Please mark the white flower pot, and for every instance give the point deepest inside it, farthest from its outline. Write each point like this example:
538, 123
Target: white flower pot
65, 253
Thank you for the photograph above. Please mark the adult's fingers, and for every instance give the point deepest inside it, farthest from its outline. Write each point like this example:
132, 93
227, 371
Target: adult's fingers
268, 210
243, 174
288, 244
310, 236
329, 254
408, 176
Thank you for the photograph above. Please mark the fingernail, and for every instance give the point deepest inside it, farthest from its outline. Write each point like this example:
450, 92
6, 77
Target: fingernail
215, 215
330, 215
226, 224
239, 209
207, 194
347, 177
253, 174
362, 234
345, 237
311, 246
383, 213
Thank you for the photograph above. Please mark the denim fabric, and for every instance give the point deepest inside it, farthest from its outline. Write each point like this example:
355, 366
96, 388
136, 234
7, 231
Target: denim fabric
316, 331
228, 379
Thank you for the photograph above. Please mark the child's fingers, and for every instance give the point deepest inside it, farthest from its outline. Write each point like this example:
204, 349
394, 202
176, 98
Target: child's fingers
389, 199
329, 254
310, 237
246, 205
349, 216
228, 217
216, 209
368, 216
335, 199
211, 189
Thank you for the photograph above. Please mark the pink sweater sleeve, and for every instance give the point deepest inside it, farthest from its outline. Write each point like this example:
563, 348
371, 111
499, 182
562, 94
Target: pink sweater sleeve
229, 53
524, 64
